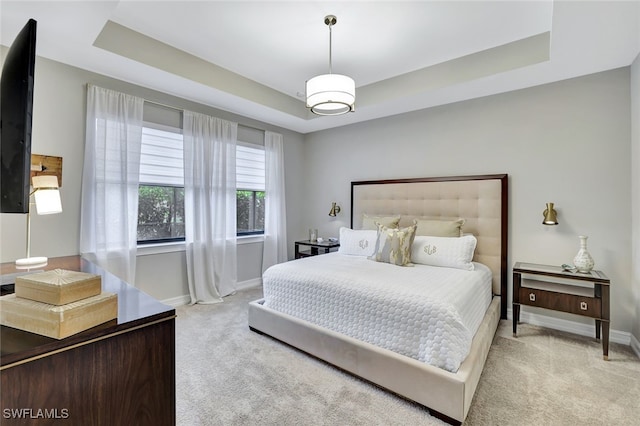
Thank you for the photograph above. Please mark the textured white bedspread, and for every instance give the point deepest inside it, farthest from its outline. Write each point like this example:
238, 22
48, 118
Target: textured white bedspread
425, 312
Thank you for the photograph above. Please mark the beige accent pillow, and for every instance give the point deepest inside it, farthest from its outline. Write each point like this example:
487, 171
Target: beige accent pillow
394, 245
440, 228
369, 222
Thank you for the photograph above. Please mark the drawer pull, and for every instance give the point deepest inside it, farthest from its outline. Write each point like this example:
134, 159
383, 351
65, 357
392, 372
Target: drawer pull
583, 306
532, 297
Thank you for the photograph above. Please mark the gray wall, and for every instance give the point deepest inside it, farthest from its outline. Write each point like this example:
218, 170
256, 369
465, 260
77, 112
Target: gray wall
567, 142
59, 129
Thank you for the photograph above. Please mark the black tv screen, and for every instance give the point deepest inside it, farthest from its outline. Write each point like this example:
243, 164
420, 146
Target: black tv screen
16, 110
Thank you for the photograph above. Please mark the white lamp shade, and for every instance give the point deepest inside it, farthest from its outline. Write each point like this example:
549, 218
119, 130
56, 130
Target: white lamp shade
48, 201
331, 94
47, 195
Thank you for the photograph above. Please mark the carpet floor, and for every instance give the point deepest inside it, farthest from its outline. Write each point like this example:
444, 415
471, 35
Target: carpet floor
229, 375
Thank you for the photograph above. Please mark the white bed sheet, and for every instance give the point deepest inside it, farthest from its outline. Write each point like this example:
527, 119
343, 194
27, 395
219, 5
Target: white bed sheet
425, 312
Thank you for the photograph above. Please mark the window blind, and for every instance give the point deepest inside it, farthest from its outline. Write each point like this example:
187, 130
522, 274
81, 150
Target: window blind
161, 158
161, 161
250, 167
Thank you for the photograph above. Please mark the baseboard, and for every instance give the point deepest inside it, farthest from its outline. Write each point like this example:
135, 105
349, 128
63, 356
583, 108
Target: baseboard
243, 285
615, 336
635, 345
186, 299
177, 301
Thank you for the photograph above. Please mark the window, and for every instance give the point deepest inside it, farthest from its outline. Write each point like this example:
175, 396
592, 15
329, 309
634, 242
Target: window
250, 183
161, 190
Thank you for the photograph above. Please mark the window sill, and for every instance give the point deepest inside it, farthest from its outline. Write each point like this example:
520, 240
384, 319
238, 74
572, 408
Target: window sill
250, 239
149, 249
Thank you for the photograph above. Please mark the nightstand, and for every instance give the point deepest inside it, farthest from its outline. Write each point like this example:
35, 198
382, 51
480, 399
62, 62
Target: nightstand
314, 248
550, 287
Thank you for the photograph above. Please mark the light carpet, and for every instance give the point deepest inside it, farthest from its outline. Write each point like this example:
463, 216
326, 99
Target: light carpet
229, 375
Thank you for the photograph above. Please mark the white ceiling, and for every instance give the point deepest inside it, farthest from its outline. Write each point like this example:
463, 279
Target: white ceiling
252, 58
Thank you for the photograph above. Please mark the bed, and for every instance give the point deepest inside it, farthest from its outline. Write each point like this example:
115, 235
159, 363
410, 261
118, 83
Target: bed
446, 389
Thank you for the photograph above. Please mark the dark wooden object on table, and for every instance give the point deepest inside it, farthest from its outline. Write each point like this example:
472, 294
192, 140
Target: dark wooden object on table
120, 372
585, 294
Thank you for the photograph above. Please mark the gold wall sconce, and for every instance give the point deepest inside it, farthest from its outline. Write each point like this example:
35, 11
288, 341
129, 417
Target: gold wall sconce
335, 209
550, 215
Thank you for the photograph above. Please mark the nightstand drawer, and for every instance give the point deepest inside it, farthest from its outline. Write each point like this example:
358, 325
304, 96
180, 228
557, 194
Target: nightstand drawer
580, 305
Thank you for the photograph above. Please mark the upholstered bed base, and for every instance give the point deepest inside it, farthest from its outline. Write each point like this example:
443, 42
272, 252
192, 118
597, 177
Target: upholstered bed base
447, 394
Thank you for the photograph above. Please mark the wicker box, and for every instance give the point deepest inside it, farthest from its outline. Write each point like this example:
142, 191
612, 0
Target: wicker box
57, 321
58, 286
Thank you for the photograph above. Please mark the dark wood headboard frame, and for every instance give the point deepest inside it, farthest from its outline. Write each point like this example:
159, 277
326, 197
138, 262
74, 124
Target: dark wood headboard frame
503, 178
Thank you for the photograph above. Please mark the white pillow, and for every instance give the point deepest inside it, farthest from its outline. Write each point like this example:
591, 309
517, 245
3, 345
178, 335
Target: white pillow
357, 242
452, 252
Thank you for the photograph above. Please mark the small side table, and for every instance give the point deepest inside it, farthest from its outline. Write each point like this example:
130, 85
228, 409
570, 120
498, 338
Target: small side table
313, 248
585, 294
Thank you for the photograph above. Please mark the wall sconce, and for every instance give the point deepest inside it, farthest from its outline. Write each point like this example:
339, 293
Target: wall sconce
335, 209
47, 201
550, 215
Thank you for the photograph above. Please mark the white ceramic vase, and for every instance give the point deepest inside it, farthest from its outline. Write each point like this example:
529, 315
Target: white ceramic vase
583, 260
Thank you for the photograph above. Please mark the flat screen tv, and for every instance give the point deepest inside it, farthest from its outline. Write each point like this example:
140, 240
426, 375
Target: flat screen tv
16, 111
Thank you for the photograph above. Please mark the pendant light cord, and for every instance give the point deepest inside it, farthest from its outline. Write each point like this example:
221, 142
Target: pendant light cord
330, 62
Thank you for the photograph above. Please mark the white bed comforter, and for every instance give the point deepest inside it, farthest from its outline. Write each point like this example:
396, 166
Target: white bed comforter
427, 313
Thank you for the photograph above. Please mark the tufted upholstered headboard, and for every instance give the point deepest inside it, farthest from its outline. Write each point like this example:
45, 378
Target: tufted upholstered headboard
481, 200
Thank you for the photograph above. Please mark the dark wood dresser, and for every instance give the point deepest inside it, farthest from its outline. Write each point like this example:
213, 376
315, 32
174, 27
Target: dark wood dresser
119, 373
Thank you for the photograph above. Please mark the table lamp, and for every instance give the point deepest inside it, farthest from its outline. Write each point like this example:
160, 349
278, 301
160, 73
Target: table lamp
47, 201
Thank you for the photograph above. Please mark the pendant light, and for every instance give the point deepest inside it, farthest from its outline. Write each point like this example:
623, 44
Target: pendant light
331, 94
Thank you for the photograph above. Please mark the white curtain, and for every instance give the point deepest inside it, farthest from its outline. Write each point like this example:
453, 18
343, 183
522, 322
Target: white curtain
275, 215
210, 206
109, 205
